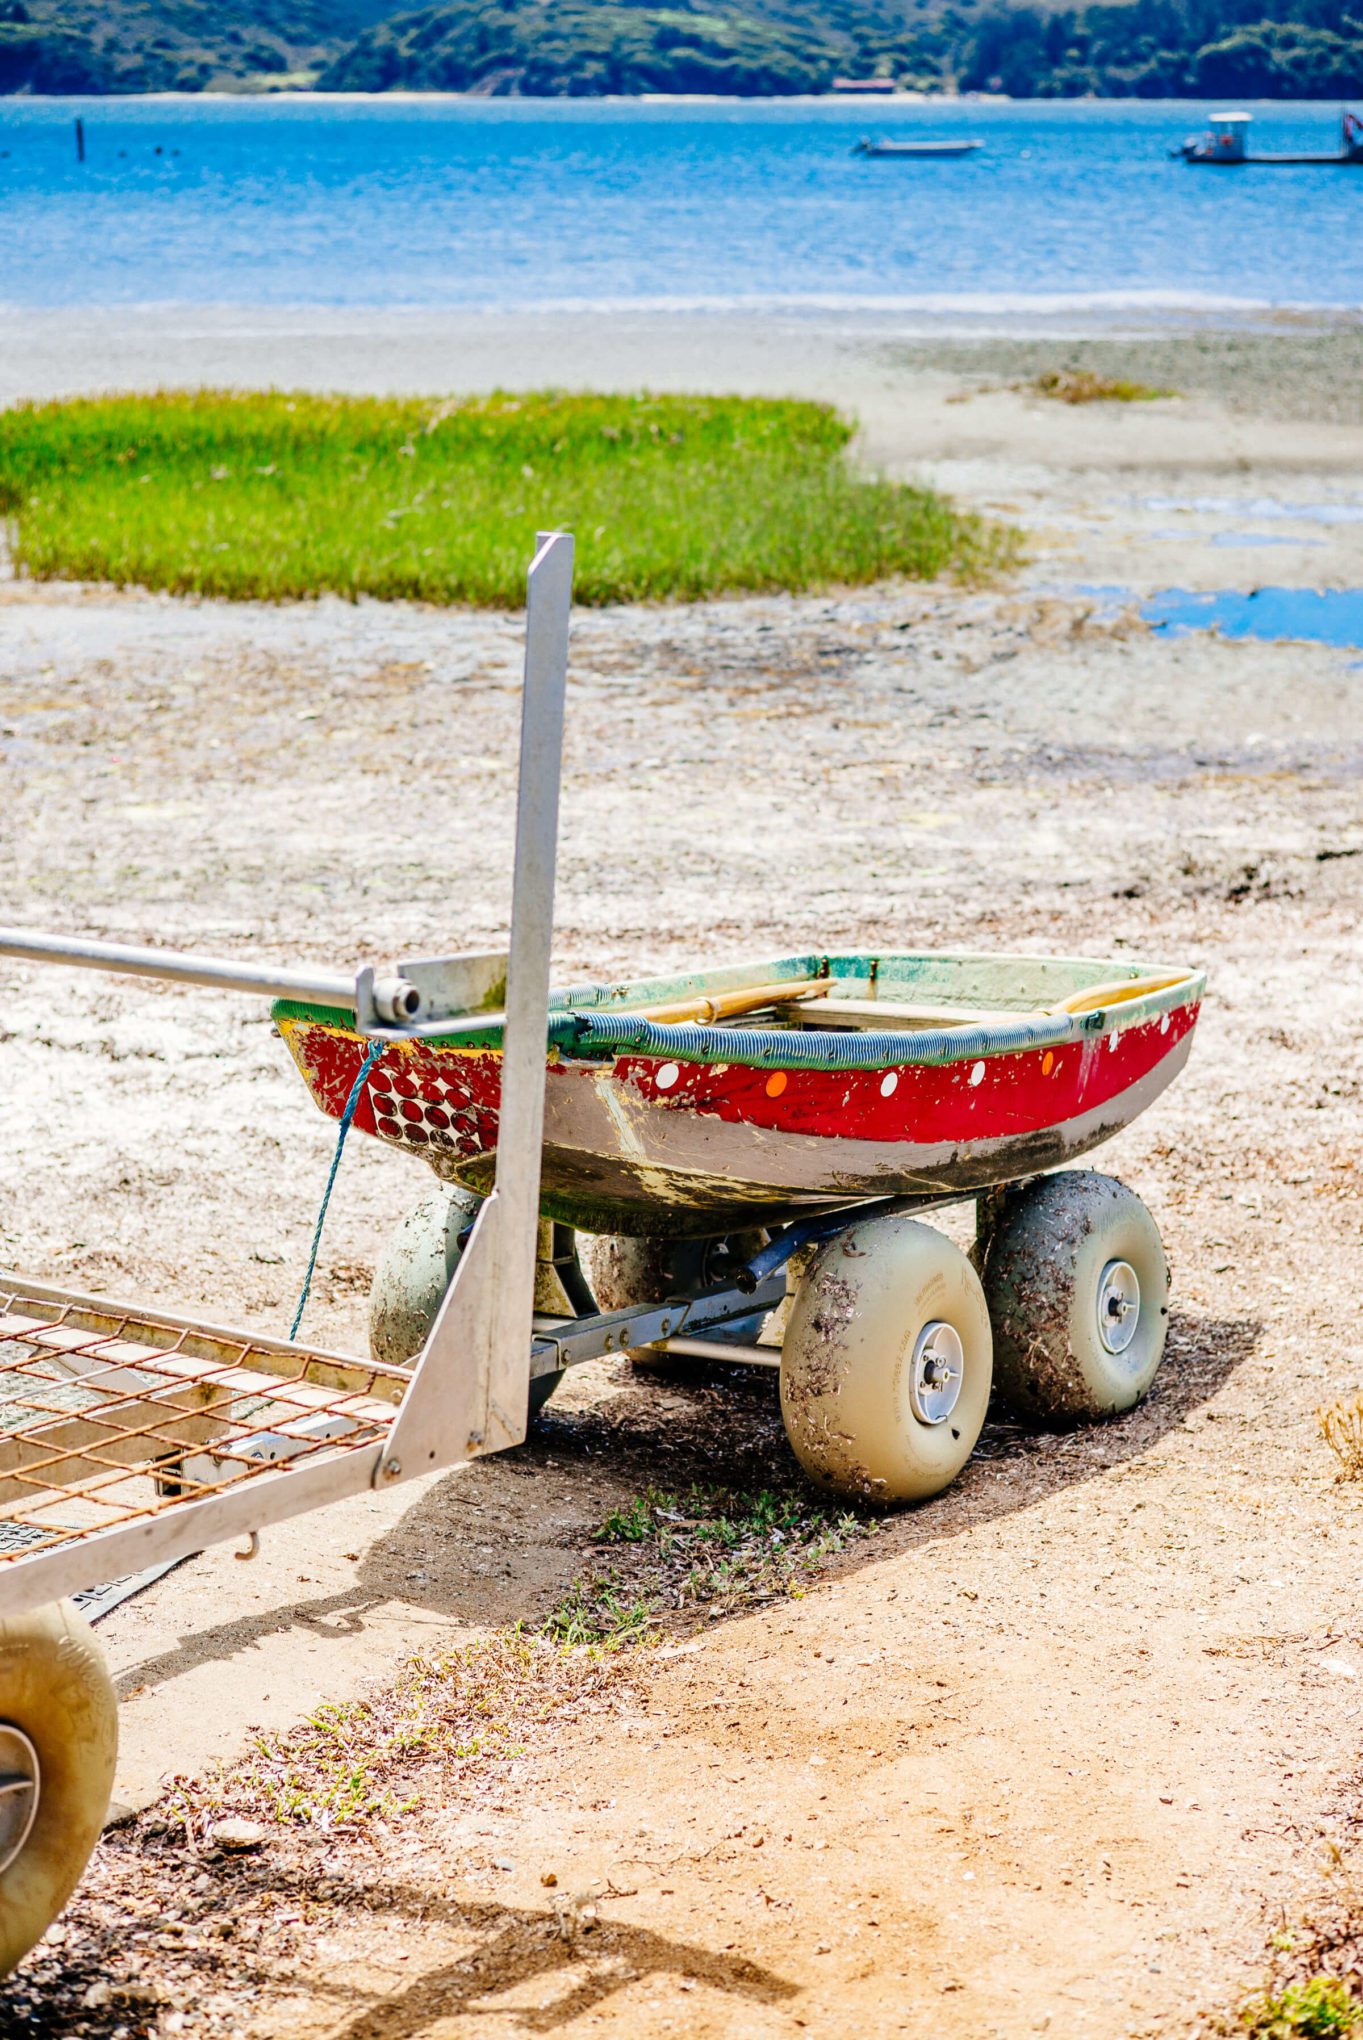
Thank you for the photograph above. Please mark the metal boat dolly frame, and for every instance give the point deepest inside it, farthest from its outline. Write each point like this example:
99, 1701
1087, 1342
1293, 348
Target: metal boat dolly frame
249, 1431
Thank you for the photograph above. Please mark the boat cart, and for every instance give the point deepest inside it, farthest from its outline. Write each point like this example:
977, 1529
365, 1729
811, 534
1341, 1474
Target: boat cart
712, 1138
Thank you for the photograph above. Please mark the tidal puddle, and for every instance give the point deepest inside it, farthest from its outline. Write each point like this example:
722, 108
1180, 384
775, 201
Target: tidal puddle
1234, 541
1347, 511
1330, 616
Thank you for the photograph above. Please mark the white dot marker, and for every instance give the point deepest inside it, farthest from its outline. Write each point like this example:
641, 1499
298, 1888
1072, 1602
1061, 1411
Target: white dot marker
977, 1073
1164, 1023
667, 1076
889, 1085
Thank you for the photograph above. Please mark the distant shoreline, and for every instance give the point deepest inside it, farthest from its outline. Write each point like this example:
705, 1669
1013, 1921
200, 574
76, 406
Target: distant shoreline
1307, 364
1311, 50
108, 333
869, 105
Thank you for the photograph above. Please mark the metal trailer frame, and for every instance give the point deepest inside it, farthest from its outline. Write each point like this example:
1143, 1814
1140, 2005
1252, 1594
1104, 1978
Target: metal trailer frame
231, 1432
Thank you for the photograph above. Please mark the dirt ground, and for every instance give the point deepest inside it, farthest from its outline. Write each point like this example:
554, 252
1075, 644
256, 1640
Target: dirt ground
1057, 1752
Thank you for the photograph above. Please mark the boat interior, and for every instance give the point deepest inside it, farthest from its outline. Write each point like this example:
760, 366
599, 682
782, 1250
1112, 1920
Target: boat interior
914, 993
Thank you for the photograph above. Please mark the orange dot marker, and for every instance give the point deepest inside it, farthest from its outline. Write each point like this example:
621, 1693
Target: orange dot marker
1047, 1063
776, 1083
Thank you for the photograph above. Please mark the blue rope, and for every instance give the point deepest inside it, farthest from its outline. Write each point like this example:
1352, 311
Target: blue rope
375, 1050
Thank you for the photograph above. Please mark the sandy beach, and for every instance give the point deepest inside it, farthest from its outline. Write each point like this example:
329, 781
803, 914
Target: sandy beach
1058, 1752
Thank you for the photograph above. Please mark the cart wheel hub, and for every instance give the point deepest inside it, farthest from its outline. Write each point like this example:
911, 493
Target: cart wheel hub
19, 1785
937, 1372
1119, 1305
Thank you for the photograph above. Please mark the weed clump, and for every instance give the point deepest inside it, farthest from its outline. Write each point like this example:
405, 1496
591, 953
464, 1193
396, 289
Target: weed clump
1082, 386
1341, 1426
273, 497
469, 1710
1322, 2008
709, 1551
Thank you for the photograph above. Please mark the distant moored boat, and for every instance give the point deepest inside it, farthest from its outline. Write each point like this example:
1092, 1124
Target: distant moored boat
1224, 142
869, 147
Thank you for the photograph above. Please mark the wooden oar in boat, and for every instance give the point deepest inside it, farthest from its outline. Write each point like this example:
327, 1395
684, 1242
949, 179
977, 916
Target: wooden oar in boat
744, 999
1118, 991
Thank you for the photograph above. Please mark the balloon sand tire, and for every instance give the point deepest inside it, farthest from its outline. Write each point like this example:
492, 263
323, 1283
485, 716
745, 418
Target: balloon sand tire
1078, 1288
58, 1731
886, 1363
415, 1269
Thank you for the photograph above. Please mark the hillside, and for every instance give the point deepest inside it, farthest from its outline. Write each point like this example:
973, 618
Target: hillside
52, 46
549, 47
1157, 48
1148, 48
527, 46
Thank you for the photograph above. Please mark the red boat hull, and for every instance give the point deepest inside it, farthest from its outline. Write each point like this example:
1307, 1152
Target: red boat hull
642, 1144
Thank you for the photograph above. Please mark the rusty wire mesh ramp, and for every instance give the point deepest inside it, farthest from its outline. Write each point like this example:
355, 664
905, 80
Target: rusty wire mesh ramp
129, 1436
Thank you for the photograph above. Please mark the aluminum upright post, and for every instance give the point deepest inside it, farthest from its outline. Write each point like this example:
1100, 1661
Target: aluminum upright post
520, 1128
471, 1391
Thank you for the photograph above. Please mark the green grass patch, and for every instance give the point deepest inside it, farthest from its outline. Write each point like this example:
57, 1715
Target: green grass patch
276, 497
1082, 386
710, 1551
1322, 2008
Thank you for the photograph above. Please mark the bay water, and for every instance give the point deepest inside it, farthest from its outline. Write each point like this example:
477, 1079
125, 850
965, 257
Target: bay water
435, 202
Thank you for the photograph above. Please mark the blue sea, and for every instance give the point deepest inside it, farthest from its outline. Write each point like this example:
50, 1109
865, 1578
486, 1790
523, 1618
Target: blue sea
492, 204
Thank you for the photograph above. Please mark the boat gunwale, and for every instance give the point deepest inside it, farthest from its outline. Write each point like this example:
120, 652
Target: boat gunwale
592, 1024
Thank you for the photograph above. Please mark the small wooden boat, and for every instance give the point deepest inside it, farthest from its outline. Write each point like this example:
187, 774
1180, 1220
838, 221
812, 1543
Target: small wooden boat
915, 151
697, 1104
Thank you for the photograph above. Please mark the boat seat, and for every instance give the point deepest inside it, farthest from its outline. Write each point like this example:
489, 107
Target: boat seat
886, 1013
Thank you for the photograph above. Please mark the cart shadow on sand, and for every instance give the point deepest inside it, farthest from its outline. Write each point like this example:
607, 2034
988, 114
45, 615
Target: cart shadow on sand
518, 1947
722, 1421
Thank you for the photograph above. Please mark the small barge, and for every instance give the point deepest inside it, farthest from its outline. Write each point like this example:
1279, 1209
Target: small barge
1224, 142
915, 151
